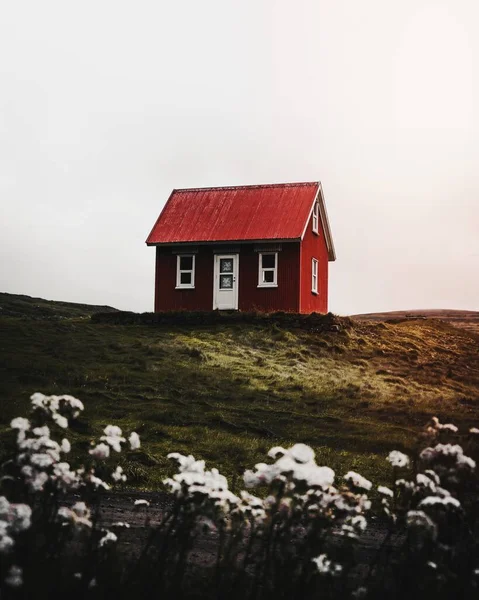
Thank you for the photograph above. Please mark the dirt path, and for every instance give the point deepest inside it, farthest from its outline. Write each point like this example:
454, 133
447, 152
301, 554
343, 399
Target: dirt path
120, 507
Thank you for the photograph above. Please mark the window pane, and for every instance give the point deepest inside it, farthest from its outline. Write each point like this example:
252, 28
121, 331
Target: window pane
186, 263
226, 265
226, 282
268, 276
185, 278
269, 261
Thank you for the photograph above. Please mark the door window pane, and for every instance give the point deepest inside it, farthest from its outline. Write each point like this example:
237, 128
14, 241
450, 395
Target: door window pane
226, 265
226, 282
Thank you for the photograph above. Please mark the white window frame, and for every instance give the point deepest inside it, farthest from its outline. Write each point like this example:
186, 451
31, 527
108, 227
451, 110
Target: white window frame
316, 218
179, 271
314, 275
268, 284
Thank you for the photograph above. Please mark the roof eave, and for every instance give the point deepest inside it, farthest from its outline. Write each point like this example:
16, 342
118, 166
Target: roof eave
210, 242
326, 227
319, 197
158, 219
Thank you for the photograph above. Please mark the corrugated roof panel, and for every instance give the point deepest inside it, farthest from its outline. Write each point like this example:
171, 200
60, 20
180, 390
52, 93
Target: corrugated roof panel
260, 212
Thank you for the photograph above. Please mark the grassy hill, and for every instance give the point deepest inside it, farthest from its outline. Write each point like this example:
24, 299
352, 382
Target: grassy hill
464, 319
228, 391
15, 305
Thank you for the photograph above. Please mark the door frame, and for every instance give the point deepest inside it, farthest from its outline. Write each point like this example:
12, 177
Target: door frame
216, 274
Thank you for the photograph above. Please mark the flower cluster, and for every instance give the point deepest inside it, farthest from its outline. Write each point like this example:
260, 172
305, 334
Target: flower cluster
326, 566
296, 464
448, 461
301, 503
207, 489
14, 518
79, 515
40, 466
57, 408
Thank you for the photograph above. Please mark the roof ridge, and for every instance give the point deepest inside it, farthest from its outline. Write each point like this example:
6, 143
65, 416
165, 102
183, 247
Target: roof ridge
243, 187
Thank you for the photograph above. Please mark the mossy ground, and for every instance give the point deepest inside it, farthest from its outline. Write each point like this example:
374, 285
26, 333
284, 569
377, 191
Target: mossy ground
229, 392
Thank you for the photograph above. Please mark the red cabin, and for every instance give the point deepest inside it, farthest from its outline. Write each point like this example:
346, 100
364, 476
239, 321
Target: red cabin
257, 247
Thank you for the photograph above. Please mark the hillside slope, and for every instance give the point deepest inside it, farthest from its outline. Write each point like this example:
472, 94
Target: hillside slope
228, 392
16, 305
464, 319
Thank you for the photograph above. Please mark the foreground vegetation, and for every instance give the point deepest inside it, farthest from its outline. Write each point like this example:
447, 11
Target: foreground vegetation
298, 537
228, 392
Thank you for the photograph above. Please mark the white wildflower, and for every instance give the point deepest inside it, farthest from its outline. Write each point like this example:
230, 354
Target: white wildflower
65, 478
113, 437
433, 476
81, 510
6, 542
65, 514
14, 577
60, 420
449, 427
108, 539
20, 423
118, 475
398, 459
188, 463
78, 515
253, 479
4, 506
449, 452
175, 486
42, 431
358, 480
437, 500
100, 452
65, 446
359, 522
419, 521
96, 482
122, 525
20, 517
134, 440
385, 491
277, 451
425, 481
72, 404
294, 465
41, 460
301, 453
474, 430
326, 566
141, 502
38, 481
38, 400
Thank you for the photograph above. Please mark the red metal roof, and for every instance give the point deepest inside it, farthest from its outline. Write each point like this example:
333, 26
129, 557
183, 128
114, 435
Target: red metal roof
256, 212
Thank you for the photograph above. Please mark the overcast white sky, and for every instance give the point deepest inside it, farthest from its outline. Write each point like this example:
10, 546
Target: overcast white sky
105, 106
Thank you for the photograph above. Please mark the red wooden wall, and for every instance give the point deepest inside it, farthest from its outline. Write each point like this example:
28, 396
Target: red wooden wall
285, 297
293, 293
168, 298
314, 246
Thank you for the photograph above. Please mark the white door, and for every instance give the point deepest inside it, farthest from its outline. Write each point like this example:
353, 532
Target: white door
225, 293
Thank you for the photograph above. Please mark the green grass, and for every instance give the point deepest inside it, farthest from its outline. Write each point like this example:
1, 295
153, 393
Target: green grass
229, 392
